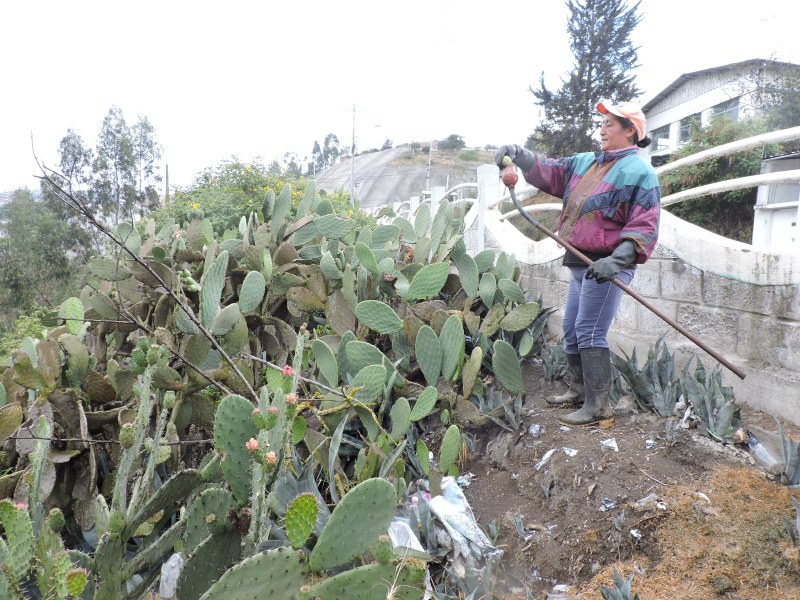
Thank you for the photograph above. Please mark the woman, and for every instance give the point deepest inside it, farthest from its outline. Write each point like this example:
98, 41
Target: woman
611, 209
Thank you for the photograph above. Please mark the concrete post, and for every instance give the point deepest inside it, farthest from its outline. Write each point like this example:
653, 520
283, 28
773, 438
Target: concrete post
413, 205
437, 192
488, 185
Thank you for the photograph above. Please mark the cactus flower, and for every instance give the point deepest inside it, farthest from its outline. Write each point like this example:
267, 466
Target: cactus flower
292, 398
287, 371
252, 444
21, 506
271, 458
256, 411
273, 410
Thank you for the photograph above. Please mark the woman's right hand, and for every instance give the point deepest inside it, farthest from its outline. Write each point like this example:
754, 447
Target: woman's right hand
521, 157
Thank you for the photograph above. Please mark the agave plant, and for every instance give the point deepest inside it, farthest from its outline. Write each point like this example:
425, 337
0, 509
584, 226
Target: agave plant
654, 386
554, 360
621, 589
711, 402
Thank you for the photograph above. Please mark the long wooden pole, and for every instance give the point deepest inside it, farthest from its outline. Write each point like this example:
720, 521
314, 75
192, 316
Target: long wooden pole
677, 326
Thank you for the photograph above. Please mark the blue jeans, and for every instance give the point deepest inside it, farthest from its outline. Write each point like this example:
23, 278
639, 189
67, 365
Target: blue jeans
590, 310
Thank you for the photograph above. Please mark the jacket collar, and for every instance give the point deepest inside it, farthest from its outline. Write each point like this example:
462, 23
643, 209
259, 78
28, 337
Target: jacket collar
611, 155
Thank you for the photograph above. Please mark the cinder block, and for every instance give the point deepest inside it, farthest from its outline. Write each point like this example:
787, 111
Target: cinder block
647, 280
680, 281
786, 302
728, 293
765, 339
715, 327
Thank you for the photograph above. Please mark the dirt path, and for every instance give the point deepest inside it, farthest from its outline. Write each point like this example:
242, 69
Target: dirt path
688, 517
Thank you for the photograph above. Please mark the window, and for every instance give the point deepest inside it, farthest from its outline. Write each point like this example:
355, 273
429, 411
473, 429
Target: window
729, 109
660, 138
688, 124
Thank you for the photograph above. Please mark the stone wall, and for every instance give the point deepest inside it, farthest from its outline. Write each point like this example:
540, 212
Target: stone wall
742, 301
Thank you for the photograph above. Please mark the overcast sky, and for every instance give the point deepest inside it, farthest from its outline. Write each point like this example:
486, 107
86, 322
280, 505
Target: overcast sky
258, 79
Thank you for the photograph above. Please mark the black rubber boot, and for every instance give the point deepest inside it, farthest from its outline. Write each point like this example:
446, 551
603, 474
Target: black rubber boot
596, 410
574, 395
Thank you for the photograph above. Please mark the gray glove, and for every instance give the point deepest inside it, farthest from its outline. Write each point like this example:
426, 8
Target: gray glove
605, 269
521, 157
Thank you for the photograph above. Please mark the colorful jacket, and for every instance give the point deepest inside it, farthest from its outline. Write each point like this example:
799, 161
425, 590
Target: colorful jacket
608, 197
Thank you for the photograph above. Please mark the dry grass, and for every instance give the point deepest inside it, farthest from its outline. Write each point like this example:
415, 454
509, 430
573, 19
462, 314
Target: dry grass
734, 545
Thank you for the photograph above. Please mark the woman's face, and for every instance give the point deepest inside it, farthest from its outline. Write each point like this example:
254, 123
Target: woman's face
613, 136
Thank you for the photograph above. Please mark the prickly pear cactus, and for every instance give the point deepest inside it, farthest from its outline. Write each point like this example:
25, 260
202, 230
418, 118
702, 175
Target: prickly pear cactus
275, 574
301, 515
364, 513
233, 427
17, 545
429, 354
404, 581
207, 514
450, 448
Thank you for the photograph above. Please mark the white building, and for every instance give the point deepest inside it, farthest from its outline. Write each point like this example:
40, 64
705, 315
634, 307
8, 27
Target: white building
731, 90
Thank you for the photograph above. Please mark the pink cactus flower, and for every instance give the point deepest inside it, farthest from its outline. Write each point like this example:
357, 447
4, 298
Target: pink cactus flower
252, 445
292, 398
271, 458
256, 411
288, 371
21, 506
273, 410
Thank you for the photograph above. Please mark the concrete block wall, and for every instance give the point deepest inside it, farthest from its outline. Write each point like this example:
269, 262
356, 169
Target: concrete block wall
742, 301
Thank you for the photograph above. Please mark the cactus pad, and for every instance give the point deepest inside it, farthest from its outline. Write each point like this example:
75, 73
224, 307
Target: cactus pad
373, 582
521, 317
252, 292
428, 281
505, 364
425, 403
301, 514
378, 316
452, 340
326, 362
275, 574
233, 426
450, 448
207, 514
364, 513
429, 354
19, 535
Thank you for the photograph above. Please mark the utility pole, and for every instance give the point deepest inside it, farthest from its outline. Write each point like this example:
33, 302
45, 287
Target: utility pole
353, 162
428, 176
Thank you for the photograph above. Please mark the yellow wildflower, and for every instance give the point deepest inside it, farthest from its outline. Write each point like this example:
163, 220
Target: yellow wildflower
195, 206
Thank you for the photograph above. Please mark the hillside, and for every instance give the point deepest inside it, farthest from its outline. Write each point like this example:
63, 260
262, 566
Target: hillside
396, 174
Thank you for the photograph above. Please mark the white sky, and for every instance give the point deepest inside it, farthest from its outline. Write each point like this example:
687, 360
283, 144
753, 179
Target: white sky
253, 79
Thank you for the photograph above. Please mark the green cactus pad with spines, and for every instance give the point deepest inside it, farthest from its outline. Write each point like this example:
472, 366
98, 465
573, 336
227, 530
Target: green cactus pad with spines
208, 563
18, 531
72, 311
301, 514
328, 266
470, 372
428, 282
77, 360
400, 415
491, 322
326, 362
423, 456
370, 380
211, 291
276, 574
468, 274
505, 363
183, 322
425, 404
367, 258
207, 514
174, 490
225, 319
450, 448
378, 316
484, 260
428, 350
373, 582
233, 427
252, 292
333, 227
361, 354
422, 220
511, 290
452, 342
487, 288
520, 317
443, 217
526, 343
107, 269
283, 204
363, 514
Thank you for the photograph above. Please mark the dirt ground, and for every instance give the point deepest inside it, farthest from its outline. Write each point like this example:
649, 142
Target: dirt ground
688, 517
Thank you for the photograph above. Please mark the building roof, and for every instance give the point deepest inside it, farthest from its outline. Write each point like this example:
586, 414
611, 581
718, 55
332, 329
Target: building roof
720, 69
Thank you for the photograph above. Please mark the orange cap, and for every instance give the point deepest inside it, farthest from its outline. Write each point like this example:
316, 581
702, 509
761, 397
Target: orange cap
626, 110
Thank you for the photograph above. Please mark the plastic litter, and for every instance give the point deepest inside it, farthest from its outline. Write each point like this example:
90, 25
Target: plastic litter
607, 504
402, 536
610, 444
767, 459
469, 542
570, 451
170, 571
648, 502
559, 592
465, 479
547, 456
564, 428
635, 533
536, 430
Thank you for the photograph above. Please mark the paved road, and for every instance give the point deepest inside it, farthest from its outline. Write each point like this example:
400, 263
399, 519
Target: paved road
382, 180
